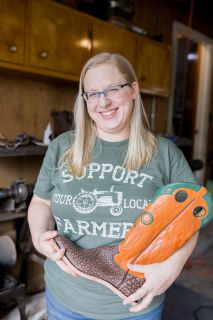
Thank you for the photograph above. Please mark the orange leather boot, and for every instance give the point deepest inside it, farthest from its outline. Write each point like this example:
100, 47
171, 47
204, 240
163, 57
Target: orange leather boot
176, 212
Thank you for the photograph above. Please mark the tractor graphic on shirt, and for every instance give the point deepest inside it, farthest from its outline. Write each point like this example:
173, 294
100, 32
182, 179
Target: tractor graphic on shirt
87, 201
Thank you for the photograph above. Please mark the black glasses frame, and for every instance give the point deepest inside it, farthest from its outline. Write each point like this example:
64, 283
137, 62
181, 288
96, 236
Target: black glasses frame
104, 92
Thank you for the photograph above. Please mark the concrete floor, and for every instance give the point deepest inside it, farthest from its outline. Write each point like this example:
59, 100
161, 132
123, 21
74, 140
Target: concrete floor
35, 309
186, 304
191, 297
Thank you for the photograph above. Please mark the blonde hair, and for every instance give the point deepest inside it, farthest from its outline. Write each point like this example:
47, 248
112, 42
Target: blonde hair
142, 142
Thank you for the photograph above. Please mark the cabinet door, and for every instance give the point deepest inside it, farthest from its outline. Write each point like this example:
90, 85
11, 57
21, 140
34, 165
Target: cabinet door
110, 38
153, 67
12, 31
59, 37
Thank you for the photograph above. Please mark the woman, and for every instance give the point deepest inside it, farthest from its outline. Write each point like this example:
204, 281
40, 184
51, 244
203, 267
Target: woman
93, 184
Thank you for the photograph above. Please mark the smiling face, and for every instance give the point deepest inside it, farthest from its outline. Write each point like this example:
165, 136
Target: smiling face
111, 115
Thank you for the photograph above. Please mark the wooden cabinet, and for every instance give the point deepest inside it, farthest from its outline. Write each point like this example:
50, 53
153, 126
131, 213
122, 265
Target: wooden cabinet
59, 37
59, 40
150, 59
153, 66
107, 37
12, 31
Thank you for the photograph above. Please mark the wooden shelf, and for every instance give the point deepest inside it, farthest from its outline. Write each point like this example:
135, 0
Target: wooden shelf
30, 150
7, 216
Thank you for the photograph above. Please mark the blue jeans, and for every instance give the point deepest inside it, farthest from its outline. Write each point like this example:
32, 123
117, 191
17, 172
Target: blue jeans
56, 311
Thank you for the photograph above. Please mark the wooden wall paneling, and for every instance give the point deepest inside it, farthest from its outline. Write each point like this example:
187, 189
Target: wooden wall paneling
161, 115
160, 112
13, 168
25, 106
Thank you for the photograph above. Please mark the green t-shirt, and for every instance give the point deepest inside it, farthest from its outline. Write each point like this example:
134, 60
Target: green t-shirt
98, 209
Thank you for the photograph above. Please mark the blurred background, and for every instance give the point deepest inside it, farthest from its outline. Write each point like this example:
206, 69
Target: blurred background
43, 46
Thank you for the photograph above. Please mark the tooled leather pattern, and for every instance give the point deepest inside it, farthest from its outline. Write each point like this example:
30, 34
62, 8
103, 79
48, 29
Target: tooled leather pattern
99, 263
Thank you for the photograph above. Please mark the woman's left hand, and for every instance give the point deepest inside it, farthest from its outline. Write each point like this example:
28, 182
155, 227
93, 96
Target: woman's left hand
159, 277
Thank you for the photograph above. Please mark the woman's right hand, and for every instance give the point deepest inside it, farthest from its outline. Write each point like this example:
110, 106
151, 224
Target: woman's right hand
46, 247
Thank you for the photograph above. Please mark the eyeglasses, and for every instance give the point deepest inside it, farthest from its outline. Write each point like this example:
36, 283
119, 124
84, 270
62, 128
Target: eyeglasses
113, 92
